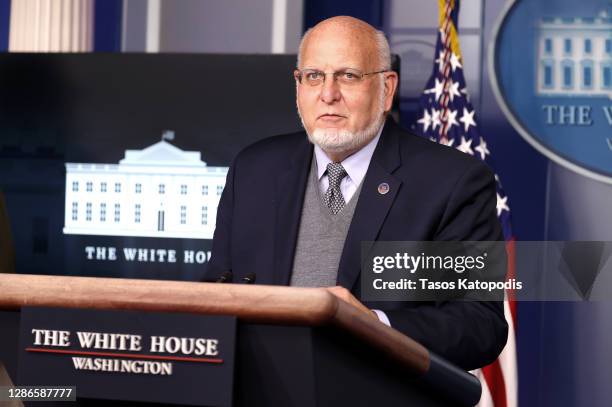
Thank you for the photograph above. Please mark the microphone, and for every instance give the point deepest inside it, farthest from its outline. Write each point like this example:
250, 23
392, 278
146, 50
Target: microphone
249, 278
225, 277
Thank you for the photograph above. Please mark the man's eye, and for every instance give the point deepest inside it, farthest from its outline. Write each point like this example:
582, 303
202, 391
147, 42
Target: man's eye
313, 76
349, 76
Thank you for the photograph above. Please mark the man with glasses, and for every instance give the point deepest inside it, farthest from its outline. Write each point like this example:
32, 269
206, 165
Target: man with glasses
296, 208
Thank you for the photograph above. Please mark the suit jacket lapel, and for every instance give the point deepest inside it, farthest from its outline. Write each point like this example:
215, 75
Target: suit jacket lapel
372, 206
289, 199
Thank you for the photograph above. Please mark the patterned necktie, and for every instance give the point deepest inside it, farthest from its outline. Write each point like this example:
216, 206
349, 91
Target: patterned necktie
333, 198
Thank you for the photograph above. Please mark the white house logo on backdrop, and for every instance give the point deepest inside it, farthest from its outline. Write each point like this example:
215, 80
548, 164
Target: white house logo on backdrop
552, 75
160, 191
575, 56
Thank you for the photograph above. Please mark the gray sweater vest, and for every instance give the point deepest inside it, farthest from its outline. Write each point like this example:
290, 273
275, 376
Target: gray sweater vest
320, 238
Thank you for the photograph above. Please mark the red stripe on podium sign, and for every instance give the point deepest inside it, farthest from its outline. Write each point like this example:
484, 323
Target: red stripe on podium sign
125, 355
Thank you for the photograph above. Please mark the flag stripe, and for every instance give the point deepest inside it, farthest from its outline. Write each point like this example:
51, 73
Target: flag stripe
495, 382
507, 359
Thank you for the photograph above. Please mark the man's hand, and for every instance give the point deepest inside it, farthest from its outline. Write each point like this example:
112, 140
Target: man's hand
346, 296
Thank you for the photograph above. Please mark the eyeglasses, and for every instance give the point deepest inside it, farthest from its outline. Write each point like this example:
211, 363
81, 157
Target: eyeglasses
348, 77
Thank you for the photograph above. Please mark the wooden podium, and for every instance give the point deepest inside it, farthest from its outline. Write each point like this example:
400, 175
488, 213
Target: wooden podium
295, 346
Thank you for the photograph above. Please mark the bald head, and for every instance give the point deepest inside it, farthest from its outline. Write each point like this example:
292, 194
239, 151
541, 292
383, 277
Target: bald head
370, 41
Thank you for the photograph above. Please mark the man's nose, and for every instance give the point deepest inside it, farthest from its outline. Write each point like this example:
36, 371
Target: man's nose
330, 90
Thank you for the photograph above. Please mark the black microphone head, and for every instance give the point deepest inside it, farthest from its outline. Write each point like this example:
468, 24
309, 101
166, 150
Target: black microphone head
249, 278
225, 277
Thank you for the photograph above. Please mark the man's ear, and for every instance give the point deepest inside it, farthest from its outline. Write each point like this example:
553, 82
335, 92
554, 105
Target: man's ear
390, 84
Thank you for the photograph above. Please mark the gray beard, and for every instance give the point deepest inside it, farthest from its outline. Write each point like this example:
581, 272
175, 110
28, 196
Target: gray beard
342, 141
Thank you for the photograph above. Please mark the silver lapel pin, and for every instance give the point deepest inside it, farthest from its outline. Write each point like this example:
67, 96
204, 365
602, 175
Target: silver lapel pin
383, 188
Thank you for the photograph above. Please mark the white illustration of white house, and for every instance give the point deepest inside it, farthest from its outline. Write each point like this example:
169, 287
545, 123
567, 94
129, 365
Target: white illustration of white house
575, 56
160, 191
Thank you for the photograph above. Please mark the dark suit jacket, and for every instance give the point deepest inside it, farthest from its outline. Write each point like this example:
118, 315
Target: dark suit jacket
436, 193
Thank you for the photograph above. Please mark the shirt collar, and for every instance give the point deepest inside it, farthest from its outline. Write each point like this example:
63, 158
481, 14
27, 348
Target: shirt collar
356, 165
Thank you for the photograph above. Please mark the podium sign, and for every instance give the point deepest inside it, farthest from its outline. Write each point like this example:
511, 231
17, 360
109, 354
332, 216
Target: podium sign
129, 355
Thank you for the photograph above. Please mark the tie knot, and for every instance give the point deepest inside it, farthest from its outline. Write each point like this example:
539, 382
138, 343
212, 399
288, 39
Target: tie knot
335, 173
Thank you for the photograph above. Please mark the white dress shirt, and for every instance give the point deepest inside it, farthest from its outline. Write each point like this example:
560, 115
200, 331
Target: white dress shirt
356, 166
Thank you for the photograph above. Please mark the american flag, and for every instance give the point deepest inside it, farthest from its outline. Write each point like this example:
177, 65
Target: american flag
447, 116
